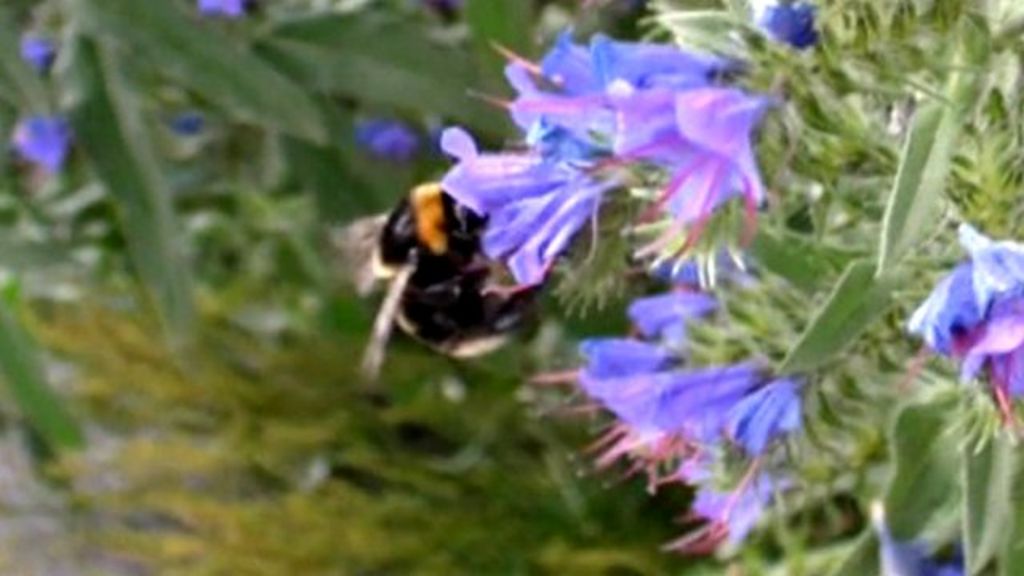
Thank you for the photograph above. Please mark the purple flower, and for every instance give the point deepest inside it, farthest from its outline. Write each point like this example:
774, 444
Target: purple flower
228, 8
44, 141
768, 413
577, 80
790, 23
910, 558
664, 316
694, 404
731, 515
38, 51
703, 137
534, 206
388, 139
976, 314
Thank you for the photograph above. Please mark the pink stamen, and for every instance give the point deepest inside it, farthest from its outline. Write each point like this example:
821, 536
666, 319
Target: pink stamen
914, 368
661, 242
493, 100
1002, 396
511, 56
749, 217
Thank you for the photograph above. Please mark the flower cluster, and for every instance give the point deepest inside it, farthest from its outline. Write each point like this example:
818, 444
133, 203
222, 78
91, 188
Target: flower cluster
590, 113
976, 315
672, 419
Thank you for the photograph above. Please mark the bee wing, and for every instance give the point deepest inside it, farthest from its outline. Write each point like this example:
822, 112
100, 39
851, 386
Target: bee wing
373, 356
356, 244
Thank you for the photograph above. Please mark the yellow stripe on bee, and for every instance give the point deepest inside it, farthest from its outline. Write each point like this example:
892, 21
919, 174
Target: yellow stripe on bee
428, 208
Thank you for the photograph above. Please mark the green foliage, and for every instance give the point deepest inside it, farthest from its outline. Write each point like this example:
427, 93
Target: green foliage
262, 459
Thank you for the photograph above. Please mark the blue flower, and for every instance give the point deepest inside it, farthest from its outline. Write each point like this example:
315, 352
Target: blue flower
910, 558
38, 51
766, 414
976, 314
610, 358
790, 23
698, 272
44, 141
387, 139
534, 206
665, 316
228, 8
188, 123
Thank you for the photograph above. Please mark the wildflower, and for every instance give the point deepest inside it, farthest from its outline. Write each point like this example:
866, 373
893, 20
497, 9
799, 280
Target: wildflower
703, 136
188, 123
43, 140
789, 23
976, 314
388, 139
764, 415
576, 80
731, 515
38, 51
228, 8
900, 558
664, 316
534, 206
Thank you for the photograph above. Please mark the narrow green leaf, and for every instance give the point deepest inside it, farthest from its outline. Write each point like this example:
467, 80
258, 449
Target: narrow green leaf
108, 126
924, 166
23, 373
241, 84
988, 488
803, 263
344, 55
857, 300
926, 459
498, 23
1011, 557
863, 559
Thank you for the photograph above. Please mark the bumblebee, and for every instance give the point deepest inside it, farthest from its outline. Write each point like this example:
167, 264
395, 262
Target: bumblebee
442, 289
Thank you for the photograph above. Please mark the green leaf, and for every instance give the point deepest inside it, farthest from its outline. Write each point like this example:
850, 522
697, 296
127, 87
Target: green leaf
924, 166
857, 300
863, 559
344, 55
503, 23
988, 488
243, 85
110, 130
926, 458
1011, 556
23, 373
803, 263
